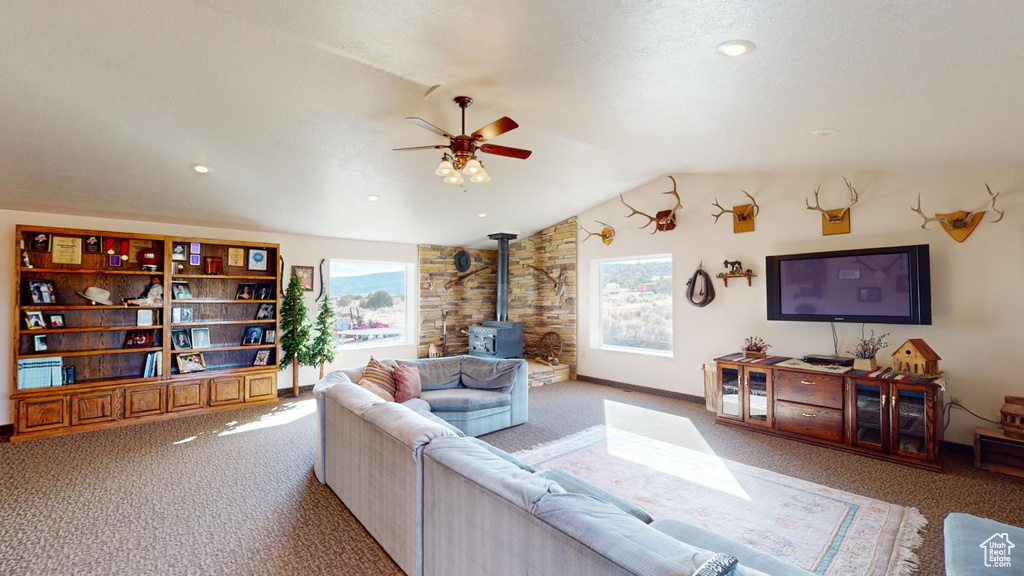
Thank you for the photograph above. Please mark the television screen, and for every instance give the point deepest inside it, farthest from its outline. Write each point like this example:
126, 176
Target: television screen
881, 285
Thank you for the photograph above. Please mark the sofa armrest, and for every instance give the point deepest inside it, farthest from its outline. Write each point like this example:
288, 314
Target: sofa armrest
329, 381
520, 407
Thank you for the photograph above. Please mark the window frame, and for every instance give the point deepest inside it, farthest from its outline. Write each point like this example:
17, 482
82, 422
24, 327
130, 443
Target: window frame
410, 308
597, 330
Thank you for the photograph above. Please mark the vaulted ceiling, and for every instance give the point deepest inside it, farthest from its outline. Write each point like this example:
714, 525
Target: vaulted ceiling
295, 106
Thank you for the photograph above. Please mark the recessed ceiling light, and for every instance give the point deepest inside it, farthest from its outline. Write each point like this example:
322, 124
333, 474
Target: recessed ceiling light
735, 47
482, 215
201, 169
824, 131
373, 197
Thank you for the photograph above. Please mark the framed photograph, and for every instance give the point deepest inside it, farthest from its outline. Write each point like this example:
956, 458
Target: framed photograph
194, 260
191, 363
245, 292
91, 245
258, 259
34, 320
114, 260
180, 340
40, 242
66, 250
40, 291
264, 292
262, 358
849, 273
138, 339
270, 336
186, 314
179, 252
200, 338
869, 295
180, 291
175, 315
57, 321
236, 257
39, 343
194, 247
305, 274
253, 336
266, 312
143, 317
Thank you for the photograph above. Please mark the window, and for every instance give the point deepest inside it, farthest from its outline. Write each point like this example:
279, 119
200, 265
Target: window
636, 303
370, 301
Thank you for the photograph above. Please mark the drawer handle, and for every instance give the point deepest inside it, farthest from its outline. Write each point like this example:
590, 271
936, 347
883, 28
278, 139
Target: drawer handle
807, 383
810, 415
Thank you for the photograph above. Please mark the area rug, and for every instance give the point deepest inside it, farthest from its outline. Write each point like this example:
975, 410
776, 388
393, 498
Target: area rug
819, 529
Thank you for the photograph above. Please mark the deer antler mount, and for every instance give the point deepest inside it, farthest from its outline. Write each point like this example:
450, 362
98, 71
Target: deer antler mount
961, 223
742, 215
607, 234
835, 221
664, 220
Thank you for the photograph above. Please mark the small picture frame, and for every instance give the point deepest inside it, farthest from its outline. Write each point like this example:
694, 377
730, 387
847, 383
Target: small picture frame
92, 245
186, 315
191, 362
245, 292
262, 358
305, 274
265, 312
180, 340
194, 247
40, 292
138, 339
258, 258
56, 321
236, 257
34, 320
200, 338
179, 252
114, 260
253, 336
264, 292
194, 260
40, 242
180, 291
270, 336
144, 317
175, 315
39, 343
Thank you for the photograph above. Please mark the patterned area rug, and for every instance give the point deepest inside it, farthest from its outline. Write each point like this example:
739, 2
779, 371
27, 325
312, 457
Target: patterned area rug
822, 530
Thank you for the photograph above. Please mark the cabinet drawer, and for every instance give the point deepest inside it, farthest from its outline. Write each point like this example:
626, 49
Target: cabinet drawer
809, 388
228, 390
185, 396
260, 387
143, 401
93, 407
823, 423
42, 414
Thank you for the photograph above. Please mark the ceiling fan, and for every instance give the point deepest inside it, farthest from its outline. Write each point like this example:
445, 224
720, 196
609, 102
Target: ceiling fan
463, 148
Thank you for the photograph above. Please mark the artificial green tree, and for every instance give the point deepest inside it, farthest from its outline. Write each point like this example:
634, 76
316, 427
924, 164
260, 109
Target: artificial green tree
322, 347
294, 331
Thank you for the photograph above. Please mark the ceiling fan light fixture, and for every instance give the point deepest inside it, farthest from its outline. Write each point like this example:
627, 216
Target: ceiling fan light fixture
454, 178
480, 177
444, 168
473, 167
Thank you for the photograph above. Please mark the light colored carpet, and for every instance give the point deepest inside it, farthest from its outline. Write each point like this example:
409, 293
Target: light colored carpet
825, 531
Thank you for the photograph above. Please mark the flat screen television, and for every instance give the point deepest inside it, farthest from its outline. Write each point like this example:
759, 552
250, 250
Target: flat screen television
889, 285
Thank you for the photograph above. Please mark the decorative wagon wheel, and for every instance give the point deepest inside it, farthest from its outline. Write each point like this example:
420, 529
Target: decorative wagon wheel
551, 346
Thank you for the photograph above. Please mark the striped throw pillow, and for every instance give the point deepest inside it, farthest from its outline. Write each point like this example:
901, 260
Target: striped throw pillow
380, 375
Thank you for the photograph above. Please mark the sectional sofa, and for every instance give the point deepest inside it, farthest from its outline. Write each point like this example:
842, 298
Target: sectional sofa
442, 503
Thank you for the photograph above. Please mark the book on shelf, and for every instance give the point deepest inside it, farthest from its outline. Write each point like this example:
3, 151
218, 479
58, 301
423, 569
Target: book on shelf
40, 372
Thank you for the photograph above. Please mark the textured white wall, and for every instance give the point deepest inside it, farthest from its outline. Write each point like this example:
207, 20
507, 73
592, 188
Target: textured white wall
977, 311
298, 250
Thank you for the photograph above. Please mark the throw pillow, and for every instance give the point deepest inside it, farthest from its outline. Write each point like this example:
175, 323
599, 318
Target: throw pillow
380, 375
407, 383
376, 389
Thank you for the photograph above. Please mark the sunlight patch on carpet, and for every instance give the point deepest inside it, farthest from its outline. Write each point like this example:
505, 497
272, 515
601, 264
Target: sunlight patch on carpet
281, 415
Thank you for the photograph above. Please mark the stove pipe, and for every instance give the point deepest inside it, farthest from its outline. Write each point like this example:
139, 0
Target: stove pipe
502, 304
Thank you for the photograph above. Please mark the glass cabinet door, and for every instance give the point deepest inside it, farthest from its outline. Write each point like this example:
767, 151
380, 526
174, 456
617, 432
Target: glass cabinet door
910, 421
730, 387
870, 422
758, 396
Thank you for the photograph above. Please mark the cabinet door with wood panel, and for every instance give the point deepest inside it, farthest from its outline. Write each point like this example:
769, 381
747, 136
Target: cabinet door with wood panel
260, 387
912, 417
869, 414
45, 413
93, 407
226, 390
183, 396
147, 401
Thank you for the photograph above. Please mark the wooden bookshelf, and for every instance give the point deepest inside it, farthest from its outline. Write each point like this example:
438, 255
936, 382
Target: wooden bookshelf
113, 384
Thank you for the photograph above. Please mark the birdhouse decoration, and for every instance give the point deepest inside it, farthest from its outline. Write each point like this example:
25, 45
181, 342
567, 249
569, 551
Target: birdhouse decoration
916, 357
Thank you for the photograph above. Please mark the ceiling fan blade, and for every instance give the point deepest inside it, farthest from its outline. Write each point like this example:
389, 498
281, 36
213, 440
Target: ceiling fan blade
506, 151
496, 128
424, 124
434, 147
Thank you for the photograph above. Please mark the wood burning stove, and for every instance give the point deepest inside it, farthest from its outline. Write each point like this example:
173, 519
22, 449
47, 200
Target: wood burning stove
498, 338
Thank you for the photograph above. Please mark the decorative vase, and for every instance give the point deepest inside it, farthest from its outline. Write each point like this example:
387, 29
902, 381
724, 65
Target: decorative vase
754, 354
865, 364
1012, 417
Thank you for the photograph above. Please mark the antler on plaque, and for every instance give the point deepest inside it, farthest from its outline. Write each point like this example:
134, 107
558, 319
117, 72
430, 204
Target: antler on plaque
663, 220
751, 212
607, 234
928, 220
991, 208
833, 216
959, 225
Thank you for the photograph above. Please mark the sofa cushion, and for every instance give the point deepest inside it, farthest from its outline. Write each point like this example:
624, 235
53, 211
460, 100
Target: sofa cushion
405, 425
465, 399
507, 457
436, 373
407, 382
376, 389
416, 405
356, 399
380, 375
426, 413
750, 558
574, 485
489, 374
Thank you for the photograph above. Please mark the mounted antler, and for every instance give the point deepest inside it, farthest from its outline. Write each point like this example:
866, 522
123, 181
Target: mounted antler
607, 234
832, 216
928, 220
751, 211
960, 224
558, 283
991, 208
664, 220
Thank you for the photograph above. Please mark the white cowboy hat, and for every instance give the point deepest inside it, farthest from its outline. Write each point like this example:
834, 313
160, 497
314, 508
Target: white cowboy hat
97, 295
